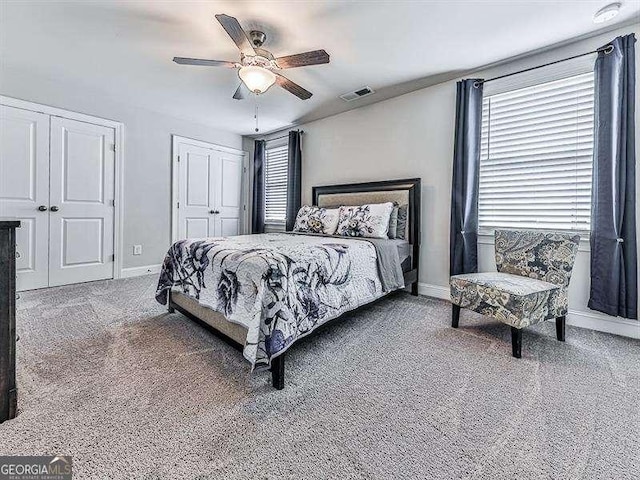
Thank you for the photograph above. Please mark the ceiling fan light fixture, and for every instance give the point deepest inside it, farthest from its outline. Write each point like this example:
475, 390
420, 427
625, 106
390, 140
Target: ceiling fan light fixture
257, 79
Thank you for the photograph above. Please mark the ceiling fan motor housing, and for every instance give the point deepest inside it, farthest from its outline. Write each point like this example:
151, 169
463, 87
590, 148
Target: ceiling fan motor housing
257, 37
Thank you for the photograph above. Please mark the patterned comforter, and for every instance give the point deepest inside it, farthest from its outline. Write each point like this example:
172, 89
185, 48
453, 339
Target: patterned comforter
279, 286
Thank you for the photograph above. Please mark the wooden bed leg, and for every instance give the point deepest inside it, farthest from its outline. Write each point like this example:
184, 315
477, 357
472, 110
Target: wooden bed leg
170, 308
277, 372
414, 289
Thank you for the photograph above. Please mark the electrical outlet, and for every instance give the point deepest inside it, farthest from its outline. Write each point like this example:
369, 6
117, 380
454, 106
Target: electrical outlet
137, 249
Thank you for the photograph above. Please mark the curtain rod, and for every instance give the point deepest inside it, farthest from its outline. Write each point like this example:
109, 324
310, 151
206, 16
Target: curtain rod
281, 136
608, 49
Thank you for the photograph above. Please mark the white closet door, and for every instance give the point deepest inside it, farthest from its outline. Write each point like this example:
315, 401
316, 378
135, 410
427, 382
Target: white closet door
196, 192
24, 189
209, 191
81, 202
228, 195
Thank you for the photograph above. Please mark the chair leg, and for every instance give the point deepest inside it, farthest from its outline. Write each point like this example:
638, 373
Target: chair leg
414, 288
455, 315
560, 327
516, 342
277, 372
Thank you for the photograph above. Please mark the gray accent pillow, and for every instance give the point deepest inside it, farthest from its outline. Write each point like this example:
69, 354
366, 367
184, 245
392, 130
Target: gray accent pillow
393, 222
401, 231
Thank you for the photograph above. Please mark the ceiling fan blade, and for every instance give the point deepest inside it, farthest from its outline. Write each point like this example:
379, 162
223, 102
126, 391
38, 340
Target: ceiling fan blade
235, 31
240, 92
292, 87
205, 63
315, 57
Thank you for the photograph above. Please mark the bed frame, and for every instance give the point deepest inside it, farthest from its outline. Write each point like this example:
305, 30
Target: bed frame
408, 189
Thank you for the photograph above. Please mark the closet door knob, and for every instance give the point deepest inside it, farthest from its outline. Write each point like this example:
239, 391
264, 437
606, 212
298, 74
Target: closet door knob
54, 208
43, 208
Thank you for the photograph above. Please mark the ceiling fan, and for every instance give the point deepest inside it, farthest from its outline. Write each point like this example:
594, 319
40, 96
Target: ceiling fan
258, 68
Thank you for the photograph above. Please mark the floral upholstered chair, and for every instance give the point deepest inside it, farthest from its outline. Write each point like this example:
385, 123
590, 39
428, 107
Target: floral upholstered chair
530, 286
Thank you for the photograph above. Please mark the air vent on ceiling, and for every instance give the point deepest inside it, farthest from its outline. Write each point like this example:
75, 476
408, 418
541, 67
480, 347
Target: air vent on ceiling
361, 92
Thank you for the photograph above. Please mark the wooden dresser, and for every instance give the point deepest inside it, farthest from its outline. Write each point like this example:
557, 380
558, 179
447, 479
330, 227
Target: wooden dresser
8, 393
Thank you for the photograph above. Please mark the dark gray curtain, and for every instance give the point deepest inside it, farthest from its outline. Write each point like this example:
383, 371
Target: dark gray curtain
257, 210
463, 240
614, 263
294, 178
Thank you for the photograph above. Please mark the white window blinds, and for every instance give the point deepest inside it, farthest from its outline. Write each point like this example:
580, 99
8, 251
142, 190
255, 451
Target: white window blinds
275, 189
536, 156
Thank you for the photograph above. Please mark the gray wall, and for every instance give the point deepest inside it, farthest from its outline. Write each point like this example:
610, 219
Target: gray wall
147, 154
412, 136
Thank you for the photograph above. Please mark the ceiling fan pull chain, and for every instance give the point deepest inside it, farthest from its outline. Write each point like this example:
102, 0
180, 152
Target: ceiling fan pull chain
255, 115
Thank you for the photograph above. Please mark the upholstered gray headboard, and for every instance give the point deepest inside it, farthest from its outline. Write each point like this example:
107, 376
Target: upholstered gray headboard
401, 197
400, 191
362, 198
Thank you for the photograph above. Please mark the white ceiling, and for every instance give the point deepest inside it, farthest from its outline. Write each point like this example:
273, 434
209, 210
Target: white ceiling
124, 48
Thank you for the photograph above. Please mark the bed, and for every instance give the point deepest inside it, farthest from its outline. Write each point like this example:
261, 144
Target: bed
261, 293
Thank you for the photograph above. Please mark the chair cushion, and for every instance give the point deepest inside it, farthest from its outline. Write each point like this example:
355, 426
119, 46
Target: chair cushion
512, 299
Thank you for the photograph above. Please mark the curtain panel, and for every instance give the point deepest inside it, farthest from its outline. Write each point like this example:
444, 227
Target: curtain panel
614, 263
294, 178
257, 205
463, 240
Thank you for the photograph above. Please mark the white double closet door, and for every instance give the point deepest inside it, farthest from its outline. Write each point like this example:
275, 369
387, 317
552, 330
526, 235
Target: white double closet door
57, 177
209, 192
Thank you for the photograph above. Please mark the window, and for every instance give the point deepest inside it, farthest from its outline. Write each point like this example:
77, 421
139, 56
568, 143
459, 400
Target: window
536, 156
275, 179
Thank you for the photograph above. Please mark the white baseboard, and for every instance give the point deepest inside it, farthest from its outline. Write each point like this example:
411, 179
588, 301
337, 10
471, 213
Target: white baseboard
435, 291
139, 271
604, 323
577, 318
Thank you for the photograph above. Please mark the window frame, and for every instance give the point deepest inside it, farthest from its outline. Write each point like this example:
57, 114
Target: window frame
539, 76
271, 144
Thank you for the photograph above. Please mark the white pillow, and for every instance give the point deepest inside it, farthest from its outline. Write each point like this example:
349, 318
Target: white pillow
365, 220
316, 220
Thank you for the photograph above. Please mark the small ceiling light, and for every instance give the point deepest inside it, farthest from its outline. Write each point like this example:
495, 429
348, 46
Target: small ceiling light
257, 79
606, 13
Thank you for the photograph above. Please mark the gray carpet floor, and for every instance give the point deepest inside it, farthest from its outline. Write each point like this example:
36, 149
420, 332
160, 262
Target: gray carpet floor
105, 375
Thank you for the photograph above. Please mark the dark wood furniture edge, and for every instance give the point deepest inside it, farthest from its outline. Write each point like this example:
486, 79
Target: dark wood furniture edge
9, 223
8, 389
411, 278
